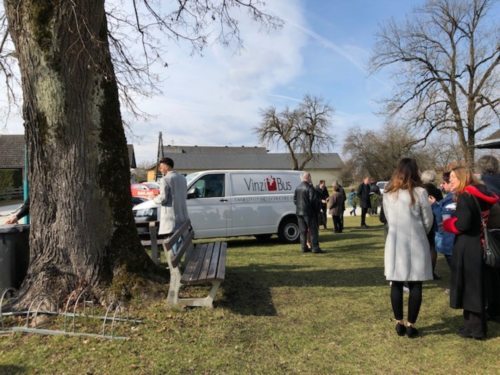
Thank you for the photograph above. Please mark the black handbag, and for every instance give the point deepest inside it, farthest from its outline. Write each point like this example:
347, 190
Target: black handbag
491, 248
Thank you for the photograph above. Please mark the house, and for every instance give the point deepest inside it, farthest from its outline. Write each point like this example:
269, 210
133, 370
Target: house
11, 161
493, 141
12, 157
189, 159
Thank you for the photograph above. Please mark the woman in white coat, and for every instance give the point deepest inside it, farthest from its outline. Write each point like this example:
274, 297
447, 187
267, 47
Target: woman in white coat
407, 256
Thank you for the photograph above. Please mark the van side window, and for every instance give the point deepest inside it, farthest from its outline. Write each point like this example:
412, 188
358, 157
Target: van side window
210, 186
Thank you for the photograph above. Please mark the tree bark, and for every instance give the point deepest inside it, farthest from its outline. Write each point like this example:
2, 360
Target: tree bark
82, 228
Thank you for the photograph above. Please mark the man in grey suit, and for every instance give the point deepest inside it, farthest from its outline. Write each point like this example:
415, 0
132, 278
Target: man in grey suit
173, 193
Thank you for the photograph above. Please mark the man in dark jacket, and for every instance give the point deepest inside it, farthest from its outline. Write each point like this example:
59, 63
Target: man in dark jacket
364, 200
307, 204
323, 193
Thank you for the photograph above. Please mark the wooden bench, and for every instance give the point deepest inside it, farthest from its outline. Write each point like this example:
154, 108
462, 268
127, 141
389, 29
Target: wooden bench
203, 264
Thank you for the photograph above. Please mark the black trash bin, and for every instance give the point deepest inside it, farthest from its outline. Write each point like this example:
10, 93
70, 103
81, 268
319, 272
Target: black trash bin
14, 255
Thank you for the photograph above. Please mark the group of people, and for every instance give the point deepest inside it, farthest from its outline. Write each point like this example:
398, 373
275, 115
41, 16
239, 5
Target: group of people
421, 221
312, 204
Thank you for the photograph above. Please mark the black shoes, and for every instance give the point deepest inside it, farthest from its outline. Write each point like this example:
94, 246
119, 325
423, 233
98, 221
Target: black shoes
435, 276
412, 332
400, 329
318, 251
307, 250
364, 226
466, 334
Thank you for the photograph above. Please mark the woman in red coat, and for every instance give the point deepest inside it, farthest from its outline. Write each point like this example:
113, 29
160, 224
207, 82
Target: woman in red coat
467, 290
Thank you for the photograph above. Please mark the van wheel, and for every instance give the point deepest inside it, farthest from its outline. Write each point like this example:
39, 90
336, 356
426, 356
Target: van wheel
263, 237
289, 230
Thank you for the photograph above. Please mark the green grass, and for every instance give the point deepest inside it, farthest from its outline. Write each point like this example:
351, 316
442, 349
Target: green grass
278, 311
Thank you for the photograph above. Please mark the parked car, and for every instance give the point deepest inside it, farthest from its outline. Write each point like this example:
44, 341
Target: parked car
236, 203
137, 200
147, 190
381, 186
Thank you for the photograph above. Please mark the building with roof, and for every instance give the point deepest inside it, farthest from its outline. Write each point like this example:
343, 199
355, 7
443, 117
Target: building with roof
11, 161
12, 157
493, 141
189, 159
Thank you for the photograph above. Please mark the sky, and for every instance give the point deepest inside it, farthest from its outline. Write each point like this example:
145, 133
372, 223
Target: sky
216, 99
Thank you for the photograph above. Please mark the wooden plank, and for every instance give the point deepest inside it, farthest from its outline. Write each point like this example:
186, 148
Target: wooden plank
195, 265
214, 262
221, 269
206, 262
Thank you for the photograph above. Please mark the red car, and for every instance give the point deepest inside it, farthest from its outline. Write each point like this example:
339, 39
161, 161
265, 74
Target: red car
147, 190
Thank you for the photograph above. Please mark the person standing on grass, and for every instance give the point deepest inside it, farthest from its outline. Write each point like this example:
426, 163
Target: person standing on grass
307, 203
335, 205
323, 194
468, 274
435, 195
407, 256
342, 209
173, 194
364, 200
351, 199
489, 169
443, 209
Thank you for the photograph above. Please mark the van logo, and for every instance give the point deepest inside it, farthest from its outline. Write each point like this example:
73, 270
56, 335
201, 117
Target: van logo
271, 184
268, 184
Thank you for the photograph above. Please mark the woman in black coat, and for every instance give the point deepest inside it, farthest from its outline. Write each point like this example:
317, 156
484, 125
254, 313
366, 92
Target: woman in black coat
467, 290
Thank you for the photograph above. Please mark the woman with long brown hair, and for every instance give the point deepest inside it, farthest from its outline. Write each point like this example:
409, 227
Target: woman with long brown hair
407, 256
467, 289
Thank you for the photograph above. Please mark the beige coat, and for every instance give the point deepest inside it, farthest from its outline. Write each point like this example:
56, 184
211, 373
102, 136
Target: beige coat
173, 194
407, 254
335, 203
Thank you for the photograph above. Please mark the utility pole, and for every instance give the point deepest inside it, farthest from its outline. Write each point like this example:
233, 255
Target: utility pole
159, 156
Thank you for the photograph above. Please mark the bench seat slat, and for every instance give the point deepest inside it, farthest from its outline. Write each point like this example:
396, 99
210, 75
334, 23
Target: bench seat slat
195, 265
206, 262
214, 262
221, 268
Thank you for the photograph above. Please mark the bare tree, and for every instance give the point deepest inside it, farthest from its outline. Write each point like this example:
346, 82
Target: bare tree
304, 131
377, 153
82, 230
447, 57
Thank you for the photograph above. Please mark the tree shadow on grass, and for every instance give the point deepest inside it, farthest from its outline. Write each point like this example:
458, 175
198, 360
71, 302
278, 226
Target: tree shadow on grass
247, 289
12, 369
243, 242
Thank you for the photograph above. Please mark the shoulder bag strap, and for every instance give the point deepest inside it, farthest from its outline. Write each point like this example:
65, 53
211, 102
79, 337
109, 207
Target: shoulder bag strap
483, 223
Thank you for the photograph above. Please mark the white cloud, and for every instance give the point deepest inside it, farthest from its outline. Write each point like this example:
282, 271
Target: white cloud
215, 99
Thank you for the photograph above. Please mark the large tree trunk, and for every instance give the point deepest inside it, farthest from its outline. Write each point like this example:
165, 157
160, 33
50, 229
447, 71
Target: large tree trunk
82, 229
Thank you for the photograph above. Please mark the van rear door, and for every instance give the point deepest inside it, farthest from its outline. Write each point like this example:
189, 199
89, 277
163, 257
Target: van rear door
208, 206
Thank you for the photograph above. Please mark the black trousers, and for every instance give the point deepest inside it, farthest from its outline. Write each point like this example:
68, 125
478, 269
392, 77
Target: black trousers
337, 224
414, 302
364, 210
323, 218
308, 224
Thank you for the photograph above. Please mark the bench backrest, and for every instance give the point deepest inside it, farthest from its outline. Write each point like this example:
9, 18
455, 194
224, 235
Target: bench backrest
179, 242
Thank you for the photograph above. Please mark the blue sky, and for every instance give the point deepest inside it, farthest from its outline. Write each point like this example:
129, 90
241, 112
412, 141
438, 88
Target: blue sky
215, 99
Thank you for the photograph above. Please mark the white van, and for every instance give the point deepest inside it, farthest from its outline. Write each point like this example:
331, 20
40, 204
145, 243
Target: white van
237, 203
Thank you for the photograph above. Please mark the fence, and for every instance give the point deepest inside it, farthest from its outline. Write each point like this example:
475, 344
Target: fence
11, 193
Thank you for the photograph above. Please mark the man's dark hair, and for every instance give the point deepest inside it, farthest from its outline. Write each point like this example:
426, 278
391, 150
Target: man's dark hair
167, 161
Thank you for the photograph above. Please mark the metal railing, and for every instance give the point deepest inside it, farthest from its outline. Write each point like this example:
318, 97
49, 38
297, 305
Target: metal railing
11, 193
